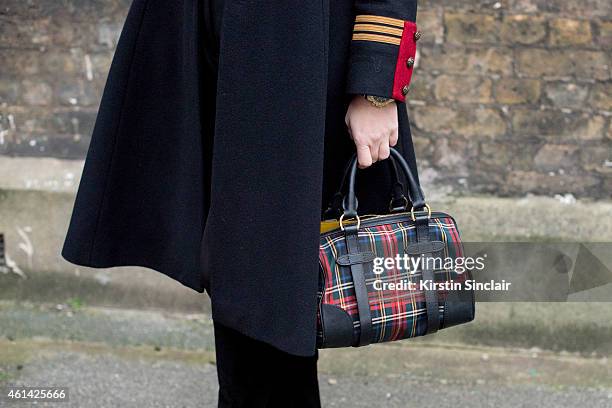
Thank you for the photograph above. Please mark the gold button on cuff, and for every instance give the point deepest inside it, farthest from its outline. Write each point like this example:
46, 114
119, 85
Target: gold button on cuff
410, 62
405, 90
417, 36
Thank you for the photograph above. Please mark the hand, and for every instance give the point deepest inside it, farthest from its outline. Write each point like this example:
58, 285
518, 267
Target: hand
372, 129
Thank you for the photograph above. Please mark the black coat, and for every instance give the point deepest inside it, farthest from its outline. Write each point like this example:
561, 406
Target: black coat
231, 203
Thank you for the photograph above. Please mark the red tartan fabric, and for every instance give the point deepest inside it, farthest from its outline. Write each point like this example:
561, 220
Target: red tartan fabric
396, 313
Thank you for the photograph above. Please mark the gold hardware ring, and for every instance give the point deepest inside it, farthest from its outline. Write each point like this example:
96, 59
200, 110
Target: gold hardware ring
405, 203
428, 212
356, 217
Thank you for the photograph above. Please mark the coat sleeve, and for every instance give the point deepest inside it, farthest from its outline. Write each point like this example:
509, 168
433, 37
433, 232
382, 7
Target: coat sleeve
383, 48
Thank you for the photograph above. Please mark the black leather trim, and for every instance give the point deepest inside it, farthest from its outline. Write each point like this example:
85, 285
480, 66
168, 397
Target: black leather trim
392, 218
418, 248
337, 327
350, 259
459, 307
431, 295
361, 289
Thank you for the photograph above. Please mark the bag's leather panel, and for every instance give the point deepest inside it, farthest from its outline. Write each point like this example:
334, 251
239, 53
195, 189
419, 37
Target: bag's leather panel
337, 326
459, 307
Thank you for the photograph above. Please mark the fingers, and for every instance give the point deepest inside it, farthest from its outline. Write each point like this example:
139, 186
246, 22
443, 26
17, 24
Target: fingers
394, 137
364, 156
383, 151
380, 147
370, 154
374, 149
373, 130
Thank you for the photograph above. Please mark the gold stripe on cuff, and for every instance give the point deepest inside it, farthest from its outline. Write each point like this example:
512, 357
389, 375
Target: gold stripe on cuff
378, 29
368, 18
376, 38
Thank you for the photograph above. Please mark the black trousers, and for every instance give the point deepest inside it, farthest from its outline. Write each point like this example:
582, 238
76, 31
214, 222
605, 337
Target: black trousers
253, 374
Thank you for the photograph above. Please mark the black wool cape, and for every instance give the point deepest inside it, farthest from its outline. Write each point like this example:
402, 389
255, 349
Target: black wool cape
221, 186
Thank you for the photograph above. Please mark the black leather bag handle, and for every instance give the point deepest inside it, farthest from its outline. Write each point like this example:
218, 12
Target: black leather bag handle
414, 190
398, 201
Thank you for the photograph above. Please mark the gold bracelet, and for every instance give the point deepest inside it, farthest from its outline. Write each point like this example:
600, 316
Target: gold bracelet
378, 101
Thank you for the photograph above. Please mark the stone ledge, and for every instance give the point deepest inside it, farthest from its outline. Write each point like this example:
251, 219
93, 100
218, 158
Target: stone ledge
572, 328
40, 174
530, 218
35, 221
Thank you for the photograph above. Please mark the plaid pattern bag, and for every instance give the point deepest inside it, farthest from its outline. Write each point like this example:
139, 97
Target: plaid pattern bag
390, 277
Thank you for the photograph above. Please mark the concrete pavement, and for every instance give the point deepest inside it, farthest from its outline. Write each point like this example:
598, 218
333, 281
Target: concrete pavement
114, 357
99, 376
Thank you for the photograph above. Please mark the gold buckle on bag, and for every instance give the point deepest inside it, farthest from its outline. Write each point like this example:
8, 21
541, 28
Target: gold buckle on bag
356, 217
428, 212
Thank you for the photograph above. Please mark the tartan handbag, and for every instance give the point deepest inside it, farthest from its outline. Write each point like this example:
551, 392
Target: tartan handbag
360, 304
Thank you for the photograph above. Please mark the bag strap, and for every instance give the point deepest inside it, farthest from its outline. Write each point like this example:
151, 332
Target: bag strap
351, 237
415, 193
428, 274
398, 201
361, 290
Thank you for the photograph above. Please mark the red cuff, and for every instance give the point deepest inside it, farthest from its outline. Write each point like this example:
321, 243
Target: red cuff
405, 61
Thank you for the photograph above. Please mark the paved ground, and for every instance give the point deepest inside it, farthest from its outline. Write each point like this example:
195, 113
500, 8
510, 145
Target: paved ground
148, 359
100, 377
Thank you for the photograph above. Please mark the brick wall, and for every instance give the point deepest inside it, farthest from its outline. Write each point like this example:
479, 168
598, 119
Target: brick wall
515, 96
509, 97
54, 59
